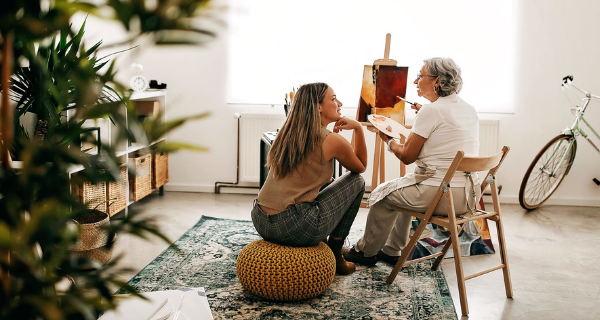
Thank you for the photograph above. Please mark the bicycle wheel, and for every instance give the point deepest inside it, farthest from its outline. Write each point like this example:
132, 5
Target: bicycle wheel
547, 171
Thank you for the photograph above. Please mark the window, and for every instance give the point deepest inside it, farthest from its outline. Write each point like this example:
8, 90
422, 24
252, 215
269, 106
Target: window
276, 45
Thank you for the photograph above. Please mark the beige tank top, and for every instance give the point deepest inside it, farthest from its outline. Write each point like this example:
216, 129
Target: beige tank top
301, 185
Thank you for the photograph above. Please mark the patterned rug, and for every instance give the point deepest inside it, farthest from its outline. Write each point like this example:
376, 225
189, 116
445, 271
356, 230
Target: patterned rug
208, 256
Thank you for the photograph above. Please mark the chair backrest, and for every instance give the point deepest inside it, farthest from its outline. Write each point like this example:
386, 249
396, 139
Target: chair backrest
475, 164
490, 163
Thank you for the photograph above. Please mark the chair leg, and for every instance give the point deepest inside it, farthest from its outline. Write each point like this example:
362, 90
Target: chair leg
438, 260
502, 242
460, 277
406, 251
445, 250
504, 258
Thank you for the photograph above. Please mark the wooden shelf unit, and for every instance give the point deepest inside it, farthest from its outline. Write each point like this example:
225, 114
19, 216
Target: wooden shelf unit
126, 149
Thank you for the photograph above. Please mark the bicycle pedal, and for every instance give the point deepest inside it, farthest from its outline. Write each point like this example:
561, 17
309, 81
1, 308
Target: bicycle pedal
596, 181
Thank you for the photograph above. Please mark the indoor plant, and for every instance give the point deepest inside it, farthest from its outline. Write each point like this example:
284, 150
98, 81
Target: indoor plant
36, 205
32, 86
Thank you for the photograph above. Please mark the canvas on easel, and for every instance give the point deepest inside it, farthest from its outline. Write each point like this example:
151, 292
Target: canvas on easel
380, 86
382, 82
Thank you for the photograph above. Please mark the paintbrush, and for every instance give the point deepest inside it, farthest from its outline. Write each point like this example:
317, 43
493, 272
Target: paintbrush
411, 103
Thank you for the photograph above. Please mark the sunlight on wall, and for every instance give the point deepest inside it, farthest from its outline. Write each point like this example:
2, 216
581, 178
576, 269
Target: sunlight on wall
277, 45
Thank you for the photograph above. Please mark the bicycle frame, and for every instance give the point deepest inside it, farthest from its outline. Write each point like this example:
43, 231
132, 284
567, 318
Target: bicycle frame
575, 130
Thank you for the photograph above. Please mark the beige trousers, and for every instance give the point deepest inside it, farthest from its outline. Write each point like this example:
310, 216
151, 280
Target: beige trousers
388, 230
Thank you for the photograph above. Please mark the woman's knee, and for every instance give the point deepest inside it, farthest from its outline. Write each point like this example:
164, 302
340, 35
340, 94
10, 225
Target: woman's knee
356, 179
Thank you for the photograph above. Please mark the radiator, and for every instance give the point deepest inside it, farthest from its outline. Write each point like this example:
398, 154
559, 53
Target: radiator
488, 137
252, 127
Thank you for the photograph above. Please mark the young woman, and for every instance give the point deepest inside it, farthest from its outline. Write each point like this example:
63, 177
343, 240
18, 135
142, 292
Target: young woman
299, 204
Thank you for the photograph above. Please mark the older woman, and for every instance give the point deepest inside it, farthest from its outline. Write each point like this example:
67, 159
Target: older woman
441, 128
298, 204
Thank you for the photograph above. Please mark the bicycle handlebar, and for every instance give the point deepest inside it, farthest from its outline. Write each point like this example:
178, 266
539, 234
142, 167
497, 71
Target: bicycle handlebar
568, 80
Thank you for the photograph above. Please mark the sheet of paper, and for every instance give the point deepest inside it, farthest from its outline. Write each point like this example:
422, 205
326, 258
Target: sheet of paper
195, 305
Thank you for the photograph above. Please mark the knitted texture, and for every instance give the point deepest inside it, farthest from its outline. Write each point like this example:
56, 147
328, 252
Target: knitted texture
278, 272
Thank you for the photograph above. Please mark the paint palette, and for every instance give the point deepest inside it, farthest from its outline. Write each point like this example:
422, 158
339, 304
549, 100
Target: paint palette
388, 126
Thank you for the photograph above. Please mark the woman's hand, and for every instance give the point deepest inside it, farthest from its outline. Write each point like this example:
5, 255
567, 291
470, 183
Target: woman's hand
351, 157
384, 136
416, 107
346, 124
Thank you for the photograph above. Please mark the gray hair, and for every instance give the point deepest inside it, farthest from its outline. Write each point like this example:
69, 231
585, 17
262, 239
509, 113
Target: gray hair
448, 72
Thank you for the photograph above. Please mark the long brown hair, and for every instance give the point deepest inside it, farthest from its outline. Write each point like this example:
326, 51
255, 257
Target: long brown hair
301, 132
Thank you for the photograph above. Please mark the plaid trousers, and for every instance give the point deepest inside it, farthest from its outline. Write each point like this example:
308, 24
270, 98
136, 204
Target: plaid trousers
307, 223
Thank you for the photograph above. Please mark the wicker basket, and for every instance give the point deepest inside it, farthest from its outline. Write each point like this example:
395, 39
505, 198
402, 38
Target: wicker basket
160, 169
116, 192
93, 240
140, 185
93, 195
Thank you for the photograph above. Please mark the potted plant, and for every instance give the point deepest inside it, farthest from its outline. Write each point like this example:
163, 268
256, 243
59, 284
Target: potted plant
36, 205
32, 86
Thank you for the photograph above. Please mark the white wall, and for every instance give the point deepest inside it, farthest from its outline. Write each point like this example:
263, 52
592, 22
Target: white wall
555, 38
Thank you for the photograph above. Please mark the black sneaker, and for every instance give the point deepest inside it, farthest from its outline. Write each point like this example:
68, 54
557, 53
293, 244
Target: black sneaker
387, 258
358, 257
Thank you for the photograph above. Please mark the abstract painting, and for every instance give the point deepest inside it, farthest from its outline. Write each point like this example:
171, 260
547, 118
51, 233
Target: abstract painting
380, 87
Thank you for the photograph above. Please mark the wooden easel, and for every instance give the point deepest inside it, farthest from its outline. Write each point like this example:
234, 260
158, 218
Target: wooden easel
380, 147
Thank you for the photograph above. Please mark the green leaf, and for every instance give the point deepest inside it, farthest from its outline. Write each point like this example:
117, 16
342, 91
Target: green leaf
169, 147
5, 236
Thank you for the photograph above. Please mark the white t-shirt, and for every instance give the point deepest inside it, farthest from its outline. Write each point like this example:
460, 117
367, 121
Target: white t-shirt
450, 125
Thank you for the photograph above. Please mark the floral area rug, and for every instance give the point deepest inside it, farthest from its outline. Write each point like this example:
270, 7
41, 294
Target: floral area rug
207, 258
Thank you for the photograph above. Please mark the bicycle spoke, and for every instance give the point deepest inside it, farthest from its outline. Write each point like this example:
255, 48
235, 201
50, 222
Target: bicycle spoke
543, 181
547, 172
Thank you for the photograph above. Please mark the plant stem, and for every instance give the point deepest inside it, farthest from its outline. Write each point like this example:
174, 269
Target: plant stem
6, 114
6, 131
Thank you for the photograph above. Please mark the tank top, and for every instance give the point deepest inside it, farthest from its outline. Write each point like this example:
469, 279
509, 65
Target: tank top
302, 184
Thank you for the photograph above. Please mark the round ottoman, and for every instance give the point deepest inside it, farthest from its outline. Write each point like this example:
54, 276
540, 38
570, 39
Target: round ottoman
278, 272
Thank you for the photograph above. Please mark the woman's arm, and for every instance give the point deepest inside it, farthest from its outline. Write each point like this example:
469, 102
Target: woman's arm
407, 152
336, 146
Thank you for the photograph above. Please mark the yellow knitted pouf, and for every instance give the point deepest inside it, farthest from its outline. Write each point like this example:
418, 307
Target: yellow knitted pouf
278, 272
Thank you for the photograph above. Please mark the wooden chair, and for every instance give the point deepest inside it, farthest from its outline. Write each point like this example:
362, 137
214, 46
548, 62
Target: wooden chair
456, 224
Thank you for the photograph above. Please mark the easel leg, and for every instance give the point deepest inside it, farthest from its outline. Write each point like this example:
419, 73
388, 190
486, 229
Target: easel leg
376, 159
402, 165
382, 162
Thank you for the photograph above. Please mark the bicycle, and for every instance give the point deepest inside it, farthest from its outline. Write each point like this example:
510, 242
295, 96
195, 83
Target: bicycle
550, 166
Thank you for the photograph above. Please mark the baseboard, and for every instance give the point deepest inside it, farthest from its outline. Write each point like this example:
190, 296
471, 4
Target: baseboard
206, 188
555, 201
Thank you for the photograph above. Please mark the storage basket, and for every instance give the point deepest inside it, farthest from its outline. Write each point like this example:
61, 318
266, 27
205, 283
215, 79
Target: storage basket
93, 240
140, 184
92, 195
160, 169
117, 192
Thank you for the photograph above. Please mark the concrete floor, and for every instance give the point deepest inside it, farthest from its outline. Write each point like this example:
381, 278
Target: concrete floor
555, 273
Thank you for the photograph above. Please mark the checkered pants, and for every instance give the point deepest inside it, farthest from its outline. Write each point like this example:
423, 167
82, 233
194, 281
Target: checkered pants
307, 223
